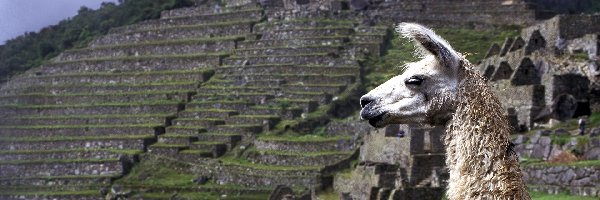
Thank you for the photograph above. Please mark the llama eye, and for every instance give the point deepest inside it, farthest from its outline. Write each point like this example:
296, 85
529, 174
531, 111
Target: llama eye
414, 80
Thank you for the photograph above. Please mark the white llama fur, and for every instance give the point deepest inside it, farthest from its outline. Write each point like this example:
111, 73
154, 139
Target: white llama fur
443, 89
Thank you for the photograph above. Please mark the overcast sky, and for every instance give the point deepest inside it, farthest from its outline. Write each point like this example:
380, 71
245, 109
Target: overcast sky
20, 16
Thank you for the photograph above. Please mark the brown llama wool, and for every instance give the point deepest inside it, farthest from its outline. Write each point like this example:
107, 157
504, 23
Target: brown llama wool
444, 89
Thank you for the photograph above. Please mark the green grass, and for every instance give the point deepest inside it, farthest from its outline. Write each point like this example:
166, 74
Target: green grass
303, 153
145, 73
96, 116
245, 163
115, 104
544, 196
116, 151
148, 92
149, 172
199, 26
303, 138
163, 42
73, 138
145, 57
47, 161
82, 126
582, 163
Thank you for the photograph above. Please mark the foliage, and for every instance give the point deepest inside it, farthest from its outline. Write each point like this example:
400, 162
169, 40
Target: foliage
33, 49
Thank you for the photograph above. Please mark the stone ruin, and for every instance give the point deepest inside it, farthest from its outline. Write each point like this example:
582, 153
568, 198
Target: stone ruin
398, 162
550, 71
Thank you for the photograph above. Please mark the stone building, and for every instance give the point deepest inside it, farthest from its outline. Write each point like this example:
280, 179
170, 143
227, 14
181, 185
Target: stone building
549, 71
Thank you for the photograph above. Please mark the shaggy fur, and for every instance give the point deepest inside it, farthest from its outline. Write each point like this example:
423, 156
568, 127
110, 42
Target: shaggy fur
478, 148
443, 89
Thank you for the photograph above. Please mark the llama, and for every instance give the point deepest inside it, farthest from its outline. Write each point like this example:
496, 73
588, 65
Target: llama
444, 89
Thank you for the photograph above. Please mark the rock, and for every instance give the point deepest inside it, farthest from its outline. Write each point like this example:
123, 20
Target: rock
595, 132
556, 150
520, 139
201, 180
592, 154
359, 4
543, 132
540, 151
545, 140
561, 132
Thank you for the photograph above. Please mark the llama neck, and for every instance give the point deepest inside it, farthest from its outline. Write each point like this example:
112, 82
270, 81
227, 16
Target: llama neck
479, 157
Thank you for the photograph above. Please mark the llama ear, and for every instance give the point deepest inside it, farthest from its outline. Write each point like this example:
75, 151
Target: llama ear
428, 41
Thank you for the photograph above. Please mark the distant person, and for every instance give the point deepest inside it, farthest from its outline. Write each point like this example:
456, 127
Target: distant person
581, 126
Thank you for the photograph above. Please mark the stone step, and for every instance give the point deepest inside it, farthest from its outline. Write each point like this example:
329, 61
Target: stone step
58, 180
195, 154
302, 97
202, 122
266, 83
88, 119
185, 130
255, 98
285, 69
229, 139
247, 174
307, 143
177, 138
340, 79
300, 59
206, 19
177, 33
115, 78
270, 120
304, 23
83, 88
60, 167
80, 130
286, 158
206, 10
285, 50
208, 113
284, 113
294, 42
122, 141
166, 149
87, 194
307, 105
168, 47
66, 154
243, 129
213, 146
219, 104
95, 97
135, 64
290, 33
92, 109
333, 89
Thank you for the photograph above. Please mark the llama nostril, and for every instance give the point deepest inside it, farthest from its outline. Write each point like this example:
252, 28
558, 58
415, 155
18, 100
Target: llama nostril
364, 101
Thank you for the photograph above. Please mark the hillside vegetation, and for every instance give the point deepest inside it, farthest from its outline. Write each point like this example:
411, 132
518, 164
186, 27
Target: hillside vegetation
33, 48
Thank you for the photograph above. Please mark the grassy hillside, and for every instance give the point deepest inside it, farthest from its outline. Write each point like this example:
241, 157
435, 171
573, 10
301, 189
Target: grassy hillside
33, 48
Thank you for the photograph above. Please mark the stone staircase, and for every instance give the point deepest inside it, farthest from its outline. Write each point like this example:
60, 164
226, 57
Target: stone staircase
193, 86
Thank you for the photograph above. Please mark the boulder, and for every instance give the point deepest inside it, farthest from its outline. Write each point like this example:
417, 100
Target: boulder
592, 154
561, 132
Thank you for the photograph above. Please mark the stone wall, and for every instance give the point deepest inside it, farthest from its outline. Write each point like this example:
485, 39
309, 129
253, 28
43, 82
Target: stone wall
581, 181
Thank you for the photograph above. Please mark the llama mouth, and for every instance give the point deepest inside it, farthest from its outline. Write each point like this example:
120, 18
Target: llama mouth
373, 121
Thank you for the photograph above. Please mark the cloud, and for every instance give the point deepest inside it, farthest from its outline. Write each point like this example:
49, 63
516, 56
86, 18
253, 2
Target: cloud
20, 16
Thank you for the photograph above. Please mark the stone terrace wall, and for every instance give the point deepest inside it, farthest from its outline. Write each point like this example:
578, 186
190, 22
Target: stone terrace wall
582, 181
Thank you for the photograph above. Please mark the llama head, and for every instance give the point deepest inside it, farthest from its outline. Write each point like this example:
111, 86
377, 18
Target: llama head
425, 92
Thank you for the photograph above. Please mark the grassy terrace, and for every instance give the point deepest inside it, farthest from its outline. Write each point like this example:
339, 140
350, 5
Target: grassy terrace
322, 21
225, 12
288, 47
149, 92
164, 72
582, 163
286, 65
200, 40
62, 177
53, 193
230, 161
303, 153
81, 126
215, 110
129, 85
278, 56
33, 151
303, 138
112, 104
200, 26
161, 115
74, 138
146, 57
46, 161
